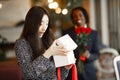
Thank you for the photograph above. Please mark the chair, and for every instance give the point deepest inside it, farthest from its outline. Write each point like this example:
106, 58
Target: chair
117, 66
104, 64
9, 70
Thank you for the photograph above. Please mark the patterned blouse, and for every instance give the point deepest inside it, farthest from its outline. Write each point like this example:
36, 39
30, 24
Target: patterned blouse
39, 69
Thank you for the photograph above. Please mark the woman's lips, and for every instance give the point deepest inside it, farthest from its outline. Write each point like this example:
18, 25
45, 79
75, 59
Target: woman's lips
41, 33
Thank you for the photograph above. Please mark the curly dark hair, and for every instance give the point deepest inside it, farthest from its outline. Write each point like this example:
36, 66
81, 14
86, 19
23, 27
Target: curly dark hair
83, 10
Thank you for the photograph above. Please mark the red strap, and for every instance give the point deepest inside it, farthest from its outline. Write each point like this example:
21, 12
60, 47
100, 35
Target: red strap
74, 72
58, 73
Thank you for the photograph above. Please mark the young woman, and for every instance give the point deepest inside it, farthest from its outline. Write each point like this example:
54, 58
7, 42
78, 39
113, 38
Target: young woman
35, 47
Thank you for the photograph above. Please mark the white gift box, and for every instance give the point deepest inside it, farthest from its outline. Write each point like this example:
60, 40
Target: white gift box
62, 60
70, 45
67, 41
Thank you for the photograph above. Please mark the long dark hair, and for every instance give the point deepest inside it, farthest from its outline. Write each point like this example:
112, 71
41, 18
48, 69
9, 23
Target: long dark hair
30, 31
83, 10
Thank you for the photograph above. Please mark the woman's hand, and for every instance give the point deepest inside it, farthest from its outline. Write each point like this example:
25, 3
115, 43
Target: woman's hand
58, 49
55, 49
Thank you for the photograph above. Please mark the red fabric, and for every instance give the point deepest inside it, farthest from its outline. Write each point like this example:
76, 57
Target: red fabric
58, 73
74, 73
83, 58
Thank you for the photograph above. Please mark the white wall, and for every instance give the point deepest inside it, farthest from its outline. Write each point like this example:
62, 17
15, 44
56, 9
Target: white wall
13, 11
11, 33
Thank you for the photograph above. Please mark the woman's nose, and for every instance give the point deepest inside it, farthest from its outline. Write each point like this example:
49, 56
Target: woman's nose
43, 29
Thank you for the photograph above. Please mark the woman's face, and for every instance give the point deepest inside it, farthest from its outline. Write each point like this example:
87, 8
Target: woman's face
78, 18
44, 25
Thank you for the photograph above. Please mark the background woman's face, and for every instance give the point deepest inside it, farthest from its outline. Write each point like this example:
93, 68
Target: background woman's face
78, 18
44, 25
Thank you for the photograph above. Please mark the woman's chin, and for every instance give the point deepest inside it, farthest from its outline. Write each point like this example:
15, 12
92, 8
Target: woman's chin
40, 36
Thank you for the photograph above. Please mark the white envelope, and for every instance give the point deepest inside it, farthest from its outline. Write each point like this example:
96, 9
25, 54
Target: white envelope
62, 60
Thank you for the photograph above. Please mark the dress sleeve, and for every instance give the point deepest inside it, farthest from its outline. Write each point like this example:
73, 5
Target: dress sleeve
31, 69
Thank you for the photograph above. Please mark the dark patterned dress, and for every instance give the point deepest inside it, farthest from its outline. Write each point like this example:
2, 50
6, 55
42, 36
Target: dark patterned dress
39, 69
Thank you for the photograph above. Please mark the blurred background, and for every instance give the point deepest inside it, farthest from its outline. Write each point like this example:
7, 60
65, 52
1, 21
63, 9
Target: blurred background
104, 17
